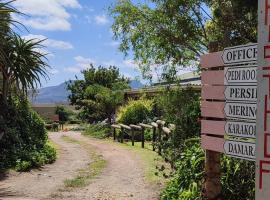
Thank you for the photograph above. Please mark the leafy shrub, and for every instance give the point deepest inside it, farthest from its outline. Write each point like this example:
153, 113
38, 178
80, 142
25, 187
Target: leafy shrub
135, 111
24, 139
180, 106
187, 181
99, 131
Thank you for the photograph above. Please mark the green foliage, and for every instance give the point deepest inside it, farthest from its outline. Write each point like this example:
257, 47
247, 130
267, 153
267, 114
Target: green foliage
135, 111
238, 179
99, 93
64, 113
188, 179
234, 22
173, 34
99, 131
181, 107
25, 138
238, 176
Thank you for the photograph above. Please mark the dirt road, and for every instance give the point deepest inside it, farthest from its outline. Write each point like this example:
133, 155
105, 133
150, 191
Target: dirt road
122, 178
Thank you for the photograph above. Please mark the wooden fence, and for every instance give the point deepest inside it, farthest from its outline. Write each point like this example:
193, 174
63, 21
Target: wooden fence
158, 129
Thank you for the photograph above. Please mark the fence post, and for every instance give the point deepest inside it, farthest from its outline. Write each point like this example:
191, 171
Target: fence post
154, 137
114, 134
142, 137
159, 138
132, 136
122, 135
212, 186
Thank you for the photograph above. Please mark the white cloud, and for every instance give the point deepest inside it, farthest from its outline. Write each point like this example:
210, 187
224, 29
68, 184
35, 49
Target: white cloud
101, 19
130, 64
113, 43
53, 71
56, 44
82, 63
47, 15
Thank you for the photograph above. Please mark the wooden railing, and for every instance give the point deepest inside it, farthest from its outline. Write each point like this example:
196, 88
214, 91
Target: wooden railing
158, 129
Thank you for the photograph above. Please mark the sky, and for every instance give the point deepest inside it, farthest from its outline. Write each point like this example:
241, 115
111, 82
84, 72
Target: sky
78, 33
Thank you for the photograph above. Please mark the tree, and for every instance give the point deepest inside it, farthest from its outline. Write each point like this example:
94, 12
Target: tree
22, 67
173, 34
99, 93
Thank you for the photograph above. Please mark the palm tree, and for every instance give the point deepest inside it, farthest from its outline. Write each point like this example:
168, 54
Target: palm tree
25, 65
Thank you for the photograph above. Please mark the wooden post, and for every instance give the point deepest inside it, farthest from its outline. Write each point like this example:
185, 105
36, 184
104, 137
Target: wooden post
114, 134
159, 138
122, 135
212, 186
154, 137
142, 137
132, 136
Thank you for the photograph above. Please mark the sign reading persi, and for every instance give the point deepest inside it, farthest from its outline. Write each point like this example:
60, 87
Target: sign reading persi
241, 93
240, 129
240, 54
239, 149
240, 75
240, 110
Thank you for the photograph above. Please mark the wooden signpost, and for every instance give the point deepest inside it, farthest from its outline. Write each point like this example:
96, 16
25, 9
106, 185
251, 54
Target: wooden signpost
229, 108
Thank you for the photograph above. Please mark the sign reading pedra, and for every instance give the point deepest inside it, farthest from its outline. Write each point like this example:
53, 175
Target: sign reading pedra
240, 54
239, 75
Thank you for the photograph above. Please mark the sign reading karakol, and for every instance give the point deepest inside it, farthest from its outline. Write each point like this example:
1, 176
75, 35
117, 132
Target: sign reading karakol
240, 129
240, 54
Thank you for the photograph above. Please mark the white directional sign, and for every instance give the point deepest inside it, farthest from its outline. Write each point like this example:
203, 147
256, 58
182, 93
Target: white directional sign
240, 110
243, 150
240, 54
237, 75
241, 93
240, 129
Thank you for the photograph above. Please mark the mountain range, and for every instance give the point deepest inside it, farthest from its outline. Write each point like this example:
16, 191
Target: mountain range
59, 93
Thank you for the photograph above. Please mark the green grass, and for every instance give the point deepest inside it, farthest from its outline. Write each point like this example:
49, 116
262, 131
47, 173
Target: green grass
93, 169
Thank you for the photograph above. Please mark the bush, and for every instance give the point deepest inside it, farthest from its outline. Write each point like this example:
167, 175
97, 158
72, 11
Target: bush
187, 181
99, 131
182, 108
238, 176
135, 111
24, 142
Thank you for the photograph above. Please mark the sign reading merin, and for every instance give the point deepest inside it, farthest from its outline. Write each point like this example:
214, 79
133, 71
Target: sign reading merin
241, 110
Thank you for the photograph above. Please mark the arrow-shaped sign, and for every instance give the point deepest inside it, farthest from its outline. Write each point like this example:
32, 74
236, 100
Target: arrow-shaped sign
241, 93
240, 54
240, 129
240, 110
239, 75
244, 150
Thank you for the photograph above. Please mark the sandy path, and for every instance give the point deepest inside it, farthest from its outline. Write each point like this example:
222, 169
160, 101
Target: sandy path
38, 184
123, 177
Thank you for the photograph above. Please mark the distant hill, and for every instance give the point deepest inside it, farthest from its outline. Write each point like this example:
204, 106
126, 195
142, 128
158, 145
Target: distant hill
59, 93
134, 84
